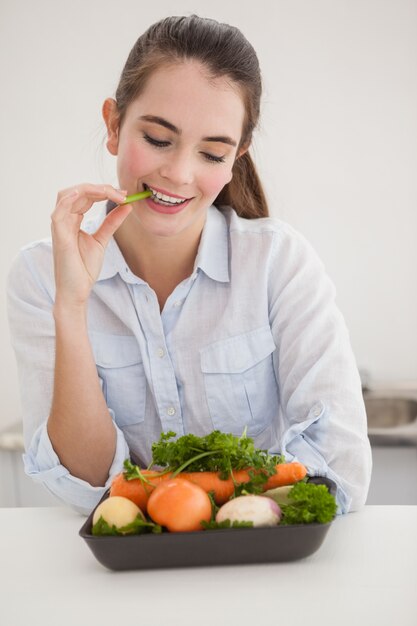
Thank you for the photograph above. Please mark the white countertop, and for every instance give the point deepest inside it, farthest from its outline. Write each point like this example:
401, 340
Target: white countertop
364, 573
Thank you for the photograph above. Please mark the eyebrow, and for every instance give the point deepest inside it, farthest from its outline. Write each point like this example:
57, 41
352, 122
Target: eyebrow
155, 119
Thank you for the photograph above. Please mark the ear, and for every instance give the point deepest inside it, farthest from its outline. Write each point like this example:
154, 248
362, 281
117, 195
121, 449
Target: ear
111, 118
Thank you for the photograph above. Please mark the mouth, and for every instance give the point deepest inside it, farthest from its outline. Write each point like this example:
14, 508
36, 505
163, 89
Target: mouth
165, 199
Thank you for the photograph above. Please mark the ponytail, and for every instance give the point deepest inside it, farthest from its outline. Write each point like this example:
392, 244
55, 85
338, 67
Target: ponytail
244, 193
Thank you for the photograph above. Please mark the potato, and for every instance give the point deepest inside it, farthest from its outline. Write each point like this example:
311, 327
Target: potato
117, 511
256, 509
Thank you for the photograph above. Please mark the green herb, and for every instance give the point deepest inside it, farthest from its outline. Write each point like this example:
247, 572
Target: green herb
137, 196
254, 486
137, 527
133, 471
215, 452
101, 527
308, 503
214, 506
213, 525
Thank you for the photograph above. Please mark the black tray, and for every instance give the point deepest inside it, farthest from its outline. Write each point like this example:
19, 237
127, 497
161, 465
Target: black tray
208, 547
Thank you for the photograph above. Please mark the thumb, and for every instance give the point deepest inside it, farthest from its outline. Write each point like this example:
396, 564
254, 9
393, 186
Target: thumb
111, 223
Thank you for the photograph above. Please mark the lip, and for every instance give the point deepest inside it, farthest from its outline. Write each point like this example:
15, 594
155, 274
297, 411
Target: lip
165, 192
167, 210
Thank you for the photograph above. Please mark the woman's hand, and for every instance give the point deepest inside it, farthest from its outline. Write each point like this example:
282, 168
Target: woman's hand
78, 256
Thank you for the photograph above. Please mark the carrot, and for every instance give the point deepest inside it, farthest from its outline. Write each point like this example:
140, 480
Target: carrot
211, 481
286, 474
139, 491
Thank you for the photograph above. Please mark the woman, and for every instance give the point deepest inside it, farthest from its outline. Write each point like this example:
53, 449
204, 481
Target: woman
190, 310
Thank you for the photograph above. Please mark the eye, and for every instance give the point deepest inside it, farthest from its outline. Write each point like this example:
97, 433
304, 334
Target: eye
155, 142
164, 144
212, 158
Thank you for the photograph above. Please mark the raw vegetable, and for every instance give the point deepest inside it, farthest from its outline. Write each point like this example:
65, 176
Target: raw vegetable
309, 503
136, 484
279, 494
117, 512
120, 516
256, 509
215, 452
137, 527
240, 481
179, 505
213, 525
137, 196
219, 462
245, 481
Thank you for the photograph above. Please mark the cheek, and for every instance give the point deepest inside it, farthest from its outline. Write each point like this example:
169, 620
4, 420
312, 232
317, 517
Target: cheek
215, 181
134, 160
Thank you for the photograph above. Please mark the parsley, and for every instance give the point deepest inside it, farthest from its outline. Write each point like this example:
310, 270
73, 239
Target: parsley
132, 471
213, 525
309, 503
137, 527
215, 452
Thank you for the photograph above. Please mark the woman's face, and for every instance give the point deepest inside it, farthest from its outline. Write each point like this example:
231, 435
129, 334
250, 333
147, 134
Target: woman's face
180, 139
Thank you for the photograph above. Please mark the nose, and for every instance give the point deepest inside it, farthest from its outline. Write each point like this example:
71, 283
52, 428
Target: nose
178, 168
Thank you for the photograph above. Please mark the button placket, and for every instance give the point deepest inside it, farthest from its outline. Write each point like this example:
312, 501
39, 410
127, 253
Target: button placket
162, 371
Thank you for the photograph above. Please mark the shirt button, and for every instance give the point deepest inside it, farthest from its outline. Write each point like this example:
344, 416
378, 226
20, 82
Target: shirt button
160, 352
171, 410
178, 303
317, 411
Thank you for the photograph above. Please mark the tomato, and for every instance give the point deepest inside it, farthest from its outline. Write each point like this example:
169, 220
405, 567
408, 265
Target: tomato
179, 505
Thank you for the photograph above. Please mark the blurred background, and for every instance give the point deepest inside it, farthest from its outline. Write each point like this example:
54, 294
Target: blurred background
336, 148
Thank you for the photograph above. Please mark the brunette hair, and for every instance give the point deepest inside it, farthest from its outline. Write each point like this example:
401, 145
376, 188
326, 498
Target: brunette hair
225, 52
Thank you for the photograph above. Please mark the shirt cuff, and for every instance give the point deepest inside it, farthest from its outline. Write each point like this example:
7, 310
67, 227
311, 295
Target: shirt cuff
41, 463
296, 445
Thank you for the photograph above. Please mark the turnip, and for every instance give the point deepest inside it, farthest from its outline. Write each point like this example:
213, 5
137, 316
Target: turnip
117, 511
259, 510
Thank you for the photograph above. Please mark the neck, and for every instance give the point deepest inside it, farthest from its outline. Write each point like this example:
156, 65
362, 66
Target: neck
163, 262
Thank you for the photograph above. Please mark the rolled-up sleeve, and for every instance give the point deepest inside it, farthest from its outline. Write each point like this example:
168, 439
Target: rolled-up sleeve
43, 465
323, 420
30, 295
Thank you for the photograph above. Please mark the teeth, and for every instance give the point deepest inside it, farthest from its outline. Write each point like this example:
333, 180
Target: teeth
165, 198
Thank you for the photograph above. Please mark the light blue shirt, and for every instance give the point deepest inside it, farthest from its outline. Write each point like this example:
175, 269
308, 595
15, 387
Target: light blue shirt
252, 339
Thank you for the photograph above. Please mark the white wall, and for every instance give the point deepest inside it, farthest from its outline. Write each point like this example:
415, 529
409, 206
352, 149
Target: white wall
336, 148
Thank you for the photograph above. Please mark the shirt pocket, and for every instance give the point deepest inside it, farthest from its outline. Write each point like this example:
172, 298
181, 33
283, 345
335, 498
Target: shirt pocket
240, 383
120, 368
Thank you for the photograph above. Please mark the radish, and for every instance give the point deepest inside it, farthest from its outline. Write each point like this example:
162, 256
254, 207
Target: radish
259, 510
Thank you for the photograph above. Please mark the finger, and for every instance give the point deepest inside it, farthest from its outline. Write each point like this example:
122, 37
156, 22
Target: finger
113, 221
64, 204
85, 196
93, 193
89, 194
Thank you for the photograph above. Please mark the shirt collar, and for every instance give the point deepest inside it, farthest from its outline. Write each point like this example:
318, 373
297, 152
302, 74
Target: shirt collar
113, 262
212, 256
213, 251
